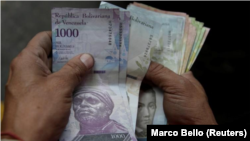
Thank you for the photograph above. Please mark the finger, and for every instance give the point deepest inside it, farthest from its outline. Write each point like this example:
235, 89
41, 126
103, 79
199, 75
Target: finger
189, 75
163, 77
73, 72
40, 45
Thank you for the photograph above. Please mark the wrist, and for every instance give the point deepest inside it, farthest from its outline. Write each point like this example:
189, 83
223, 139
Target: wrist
7, 137
8, 131
13, 127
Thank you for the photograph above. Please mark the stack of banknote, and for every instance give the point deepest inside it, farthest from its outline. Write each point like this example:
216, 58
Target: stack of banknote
111, 103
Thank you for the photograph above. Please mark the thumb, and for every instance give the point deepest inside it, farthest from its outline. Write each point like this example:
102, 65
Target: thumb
73, 72
163, 77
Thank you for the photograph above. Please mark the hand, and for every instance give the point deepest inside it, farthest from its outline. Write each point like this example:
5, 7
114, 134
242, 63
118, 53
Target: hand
37, 102
185, 100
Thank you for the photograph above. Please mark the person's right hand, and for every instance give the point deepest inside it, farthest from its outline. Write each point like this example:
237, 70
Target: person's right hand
185, 101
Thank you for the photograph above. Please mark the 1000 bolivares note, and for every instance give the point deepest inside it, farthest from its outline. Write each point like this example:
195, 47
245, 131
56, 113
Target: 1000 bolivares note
97, 107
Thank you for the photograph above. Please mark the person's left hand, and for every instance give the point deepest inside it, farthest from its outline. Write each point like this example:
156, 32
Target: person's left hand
37, 102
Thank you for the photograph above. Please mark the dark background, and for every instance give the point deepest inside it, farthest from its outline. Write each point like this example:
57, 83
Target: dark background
222, 66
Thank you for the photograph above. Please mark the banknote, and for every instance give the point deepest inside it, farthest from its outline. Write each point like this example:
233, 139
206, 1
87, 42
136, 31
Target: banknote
97, 111
150, 109
107, 5
124, 43
207, 30
124, 47
145, 113
171, 52
184, 65
190, 42
196, 52
144, 36
186, 28
200, 32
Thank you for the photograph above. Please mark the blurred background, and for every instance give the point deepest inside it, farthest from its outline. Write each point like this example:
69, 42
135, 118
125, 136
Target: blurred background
222, 66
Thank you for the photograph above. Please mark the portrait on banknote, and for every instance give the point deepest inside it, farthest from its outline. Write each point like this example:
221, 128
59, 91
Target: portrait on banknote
93, 107
146, 109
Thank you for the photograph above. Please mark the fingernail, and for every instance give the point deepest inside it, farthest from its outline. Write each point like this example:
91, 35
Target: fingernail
87, 60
